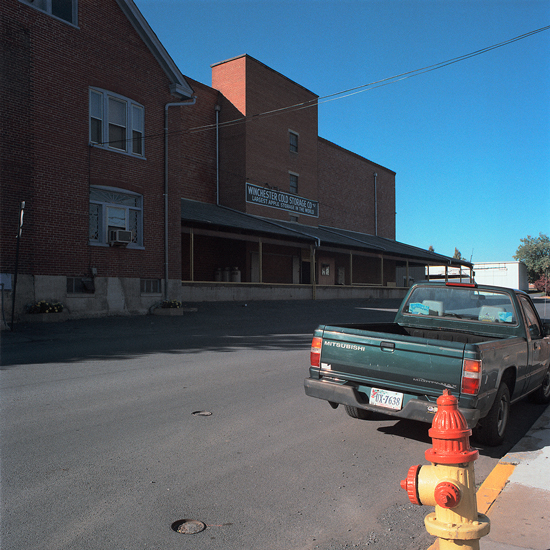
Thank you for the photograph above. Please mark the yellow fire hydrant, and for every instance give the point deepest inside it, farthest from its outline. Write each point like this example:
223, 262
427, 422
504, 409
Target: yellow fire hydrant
449, 483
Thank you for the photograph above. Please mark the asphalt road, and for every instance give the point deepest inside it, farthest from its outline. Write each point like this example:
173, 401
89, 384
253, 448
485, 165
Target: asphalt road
113, 429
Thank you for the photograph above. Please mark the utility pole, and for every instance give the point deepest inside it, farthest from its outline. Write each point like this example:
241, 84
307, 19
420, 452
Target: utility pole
19, 232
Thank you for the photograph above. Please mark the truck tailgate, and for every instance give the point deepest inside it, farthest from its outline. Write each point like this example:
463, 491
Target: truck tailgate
376, 359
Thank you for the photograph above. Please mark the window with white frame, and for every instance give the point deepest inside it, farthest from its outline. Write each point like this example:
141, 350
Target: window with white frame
115, 209
293, 141
116, 122
67, 10
293, 183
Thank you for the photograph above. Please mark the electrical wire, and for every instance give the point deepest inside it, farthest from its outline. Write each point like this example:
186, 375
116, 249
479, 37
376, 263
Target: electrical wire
373, 85
349, 92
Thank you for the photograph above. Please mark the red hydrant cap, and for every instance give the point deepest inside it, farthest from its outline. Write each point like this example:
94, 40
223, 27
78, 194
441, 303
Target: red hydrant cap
447, 494
411, 484
450, 434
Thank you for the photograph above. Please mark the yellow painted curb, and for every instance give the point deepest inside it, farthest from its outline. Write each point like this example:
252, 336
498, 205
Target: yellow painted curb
489, 490
492, 486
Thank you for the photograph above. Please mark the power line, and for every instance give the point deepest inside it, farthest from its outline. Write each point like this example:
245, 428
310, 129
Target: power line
350, 91
371, 85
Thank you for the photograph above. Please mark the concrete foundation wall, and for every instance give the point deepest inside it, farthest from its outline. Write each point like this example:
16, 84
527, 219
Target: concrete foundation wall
201, 292
122, 296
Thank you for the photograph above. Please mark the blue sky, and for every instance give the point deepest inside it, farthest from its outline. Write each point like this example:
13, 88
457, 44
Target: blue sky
470, 142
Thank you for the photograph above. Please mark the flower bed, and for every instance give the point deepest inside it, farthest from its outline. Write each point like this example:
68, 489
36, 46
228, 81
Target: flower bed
44, 307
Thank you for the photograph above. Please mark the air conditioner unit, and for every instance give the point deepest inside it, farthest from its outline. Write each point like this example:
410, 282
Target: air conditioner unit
119, 237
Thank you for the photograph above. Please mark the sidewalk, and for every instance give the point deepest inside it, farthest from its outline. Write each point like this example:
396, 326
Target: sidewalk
516, 494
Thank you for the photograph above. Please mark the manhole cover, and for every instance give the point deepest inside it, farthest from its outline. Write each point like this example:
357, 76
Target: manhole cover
188, 526
201, 413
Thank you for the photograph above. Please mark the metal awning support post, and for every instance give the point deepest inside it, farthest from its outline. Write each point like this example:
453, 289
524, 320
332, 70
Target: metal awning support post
191, 255
260, 260
313, 272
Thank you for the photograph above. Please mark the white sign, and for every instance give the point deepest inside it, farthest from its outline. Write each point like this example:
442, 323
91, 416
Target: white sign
281, 200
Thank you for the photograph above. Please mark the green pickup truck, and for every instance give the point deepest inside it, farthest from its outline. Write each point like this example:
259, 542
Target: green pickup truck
485, 344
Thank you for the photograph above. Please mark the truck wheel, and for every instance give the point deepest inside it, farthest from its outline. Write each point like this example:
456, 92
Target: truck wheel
355, 412
491, 429
542, 395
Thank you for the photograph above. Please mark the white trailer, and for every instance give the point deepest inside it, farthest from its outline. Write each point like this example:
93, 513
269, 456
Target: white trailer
506, 274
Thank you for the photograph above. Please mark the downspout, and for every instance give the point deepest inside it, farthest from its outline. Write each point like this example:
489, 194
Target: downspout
180, 104
218, 109
375, 206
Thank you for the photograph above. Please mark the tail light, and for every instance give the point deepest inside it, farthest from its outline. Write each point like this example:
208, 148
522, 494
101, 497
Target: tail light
471, 376
315, 354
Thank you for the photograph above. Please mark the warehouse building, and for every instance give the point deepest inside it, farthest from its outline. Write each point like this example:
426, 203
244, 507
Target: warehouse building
138, 184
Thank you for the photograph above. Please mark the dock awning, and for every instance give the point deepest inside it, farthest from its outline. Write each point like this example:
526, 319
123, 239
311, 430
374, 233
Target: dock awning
214, 217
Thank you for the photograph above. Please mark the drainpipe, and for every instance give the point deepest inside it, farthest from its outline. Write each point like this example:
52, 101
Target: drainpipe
218, 109
180, 104
375, 206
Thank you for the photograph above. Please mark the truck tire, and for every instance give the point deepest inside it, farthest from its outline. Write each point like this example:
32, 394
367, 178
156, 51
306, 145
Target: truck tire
491, 429
355, 412
542, 395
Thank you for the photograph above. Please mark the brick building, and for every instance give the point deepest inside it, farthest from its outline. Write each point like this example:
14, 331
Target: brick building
85, 88
142, 184
292, 208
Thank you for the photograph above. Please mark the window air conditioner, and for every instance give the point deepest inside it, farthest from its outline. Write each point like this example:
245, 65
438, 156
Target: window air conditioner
119, 237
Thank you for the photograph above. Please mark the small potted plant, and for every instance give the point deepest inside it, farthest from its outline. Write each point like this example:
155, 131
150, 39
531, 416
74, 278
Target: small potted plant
169, 307
45, 311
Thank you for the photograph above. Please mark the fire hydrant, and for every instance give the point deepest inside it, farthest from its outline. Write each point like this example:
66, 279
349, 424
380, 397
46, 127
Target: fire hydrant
449, 482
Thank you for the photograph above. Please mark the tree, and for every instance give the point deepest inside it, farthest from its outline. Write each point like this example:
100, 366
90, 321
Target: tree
543, 285
457, 254
535, 254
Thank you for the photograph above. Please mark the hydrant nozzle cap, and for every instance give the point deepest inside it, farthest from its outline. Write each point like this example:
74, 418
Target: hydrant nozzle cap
450, 434
411, 484
447, 494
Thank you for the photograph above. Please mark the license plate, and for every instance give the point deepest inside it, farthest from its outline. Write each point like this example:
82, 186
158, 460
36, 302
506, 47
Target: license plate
384, 398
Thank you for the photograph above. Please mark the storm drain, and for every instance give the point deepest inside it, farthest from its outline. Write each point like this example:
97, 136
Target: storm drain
201, 413
188, 526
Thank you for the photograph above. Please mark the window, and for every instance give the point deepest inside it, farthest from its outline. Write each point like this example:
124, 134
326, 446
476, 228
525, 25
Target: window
112, 209
460, 304
80, 285
150, 286
293, 137
530, 318
294, 183
67, 10
116, 122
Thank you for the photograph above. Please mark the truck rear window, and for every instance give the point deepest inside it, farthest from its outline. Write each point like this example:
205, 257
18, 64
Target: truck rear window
471, 304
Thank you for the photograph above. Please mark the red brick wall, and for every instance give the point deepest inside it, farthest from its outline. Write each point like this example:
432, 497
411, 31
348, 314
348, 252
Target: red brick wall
257, 150
346, 192
47, 69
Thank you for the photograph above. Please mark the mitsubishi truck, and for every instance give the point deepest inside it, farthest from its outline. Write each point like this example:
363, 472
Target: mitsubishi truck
485, 344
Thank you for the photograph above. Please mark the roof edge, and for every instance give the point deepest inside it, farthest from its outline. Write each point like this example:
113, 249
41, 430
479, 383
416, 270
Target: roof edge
178, 85
361, 157
250, 58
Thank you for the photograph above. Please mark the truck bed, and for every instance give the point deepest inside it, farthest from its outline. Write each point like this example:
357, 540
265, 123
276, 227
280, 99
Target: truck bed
420, 332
